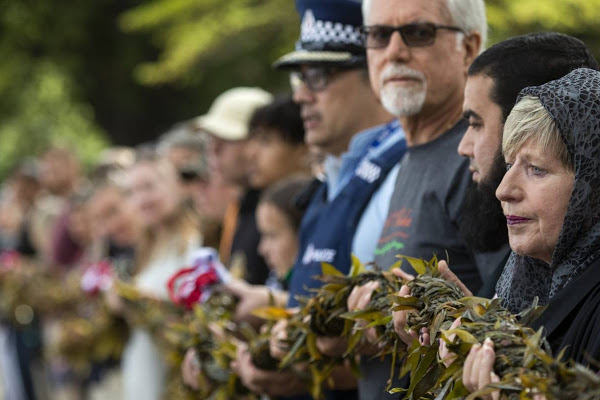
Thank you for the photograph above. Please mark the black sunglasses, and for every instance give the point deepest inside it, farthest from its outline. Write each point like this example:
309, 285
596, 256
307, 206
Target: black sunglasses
413, 35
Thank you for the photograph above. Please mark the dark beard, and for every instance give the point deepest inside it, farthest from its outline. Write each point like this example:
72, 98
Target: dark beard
482, 223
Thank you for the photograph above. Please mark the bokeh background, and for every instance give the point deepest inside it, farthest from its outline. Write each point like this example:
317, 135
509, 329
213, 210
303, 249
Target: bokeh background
89, 73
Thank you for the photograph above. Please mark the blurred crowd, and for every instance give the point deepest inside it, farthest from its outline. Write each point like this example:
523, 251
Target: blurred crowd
147, 209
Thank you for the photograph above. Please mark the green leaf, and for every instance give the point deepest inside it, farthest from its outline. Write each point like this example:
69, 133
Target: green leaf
380, 322
463, 335
418, 264
421, 372
357, 267
361, 314
294, 351
329, 270
353, 341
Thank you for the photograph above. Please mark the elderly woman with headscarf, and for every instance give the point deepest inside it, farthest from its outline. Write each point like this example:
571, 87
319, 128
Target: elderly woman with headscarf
551, 198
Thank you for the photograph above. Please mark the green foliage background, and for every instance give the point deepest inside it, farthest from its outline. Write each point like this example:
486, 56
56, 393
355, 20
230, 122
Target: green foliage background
95, 72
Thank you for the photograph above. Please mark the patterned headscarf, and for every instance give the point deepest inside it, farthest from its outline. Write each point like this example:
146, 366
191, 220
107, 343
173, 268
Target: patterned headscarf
574, 104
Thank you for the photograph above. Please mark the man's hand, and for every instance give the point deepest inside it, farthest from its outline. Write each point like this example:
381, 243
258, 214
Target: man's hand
271, 383
449, 276
278, 345
190, 369
407, 336
399, 317
332, 346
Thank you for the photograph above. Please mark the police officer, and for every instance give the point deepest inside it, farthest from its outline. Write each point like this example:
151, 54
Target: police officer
362, 143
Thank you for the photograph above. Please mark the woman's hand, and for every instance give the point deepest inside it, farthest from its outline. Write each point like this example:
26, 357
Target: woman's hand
478, 370
446, 355
190, 369
271, 383
114, 302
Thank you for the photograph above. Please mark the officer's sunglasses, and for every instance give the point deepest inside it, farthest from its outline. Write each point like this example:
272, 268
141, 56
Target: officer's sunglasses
414, 35
315, 78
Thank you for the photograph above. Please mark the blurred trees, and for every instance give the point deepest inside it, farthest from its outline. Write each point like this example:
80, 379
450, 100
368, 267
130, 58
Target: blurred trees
200, 37
578, 18
92, 72
123, 71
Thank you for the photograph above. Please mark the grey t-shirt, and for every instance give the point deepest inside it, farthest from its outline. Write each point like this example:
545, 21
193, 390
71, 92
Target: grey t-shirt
423, 221
425, 207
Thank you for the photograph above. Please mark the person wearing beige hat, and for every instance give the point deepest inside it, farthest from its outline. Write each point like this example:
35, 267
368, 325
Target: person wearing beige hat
227, 123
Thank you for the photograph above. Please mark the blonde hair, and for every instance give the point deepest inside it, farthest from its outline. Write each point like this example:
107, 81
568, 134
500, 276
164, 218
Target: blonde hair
529, 120
183, 225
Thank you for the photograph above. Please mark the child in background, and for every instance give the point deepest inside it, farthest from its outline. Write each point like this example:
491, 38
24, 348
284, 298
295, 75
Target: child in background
278, 218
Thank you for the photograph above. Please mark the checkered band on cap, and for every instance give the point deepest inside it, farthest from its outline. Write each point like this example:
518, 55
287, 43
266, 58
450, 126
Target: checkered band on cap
317, 31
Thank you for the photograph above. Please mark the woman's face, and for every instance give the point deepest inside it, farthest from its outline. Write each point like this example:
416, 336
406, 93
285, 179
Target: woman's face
278, 240
535, 194
270, 158
112, 216
154, 192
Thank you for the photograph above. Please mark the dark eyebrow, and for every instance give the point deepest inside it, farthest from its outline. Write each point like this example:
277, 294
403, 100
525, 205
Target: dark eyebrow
470, 113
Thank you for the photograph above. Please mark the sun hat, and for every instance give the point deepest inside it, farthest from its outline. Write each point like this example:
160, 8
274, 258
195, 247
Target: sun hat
230, 113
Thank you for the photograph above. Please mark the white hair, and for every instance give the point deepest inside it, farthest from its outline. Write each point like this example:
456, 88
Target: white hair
469, 15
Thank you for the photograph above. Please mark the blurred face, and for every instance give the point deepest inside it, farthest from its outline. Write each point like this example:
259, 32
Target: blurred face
535, 195
229, 158
278, 240
334, 114
112, 218
58, 172
79, 225
271, 158
26, 189
482, 141
212, 198
181, 157
154, 192
411, 80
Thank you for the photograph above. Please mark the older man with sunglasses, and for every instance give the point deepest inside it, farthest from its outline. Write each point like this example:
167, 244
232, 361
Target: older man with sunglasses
419, 52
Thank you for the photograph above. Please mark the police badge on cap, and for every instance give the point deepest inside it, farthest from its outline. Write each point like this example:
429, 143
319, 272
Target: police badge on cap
329, 34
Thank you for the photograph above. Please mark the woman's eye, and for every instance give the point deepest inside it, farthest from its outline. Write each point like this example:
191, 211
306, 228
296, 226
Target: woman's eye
537, 171
508, 166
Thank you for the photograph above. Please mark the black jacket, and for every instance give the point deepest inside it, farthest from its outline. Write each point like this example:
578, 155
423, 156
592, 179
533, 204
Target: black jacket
572, 319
